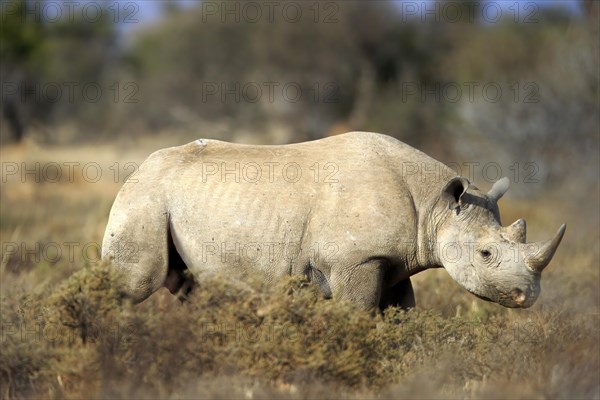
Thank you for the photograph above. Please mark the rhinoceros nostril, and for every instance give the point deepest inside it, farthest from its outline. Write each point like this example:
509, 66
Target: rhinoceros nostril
518, 296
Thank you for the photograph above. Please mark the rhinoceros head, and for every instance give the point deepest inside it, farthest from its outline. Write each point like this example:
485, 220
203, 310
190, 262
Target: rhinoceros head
491, 261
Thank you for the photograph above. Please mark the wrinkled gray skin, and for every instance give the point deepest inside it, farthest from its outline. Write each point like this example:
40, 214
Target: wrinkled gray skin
357, 213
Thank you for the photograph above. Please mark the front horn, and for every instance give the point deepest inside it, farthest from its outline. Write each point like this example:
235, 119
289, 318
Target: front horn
540, 255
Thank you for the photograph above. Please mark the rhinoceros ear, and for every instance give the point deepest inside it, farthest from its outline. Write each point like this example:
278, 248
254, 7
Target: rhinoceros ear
453, 191
498, 189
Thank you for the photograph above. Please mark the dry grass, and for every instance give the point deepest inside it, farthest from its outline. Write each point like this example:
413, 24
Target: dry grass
67, 332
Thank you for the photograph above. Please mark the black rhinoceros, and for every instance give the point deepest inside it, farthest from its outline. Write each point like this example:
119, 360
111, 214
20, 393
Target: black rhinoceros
358, 213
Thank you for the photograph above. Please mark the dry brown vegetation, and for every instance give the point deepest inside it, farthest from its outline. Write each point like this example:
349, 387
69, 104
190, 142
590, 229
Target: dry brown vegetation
67, 332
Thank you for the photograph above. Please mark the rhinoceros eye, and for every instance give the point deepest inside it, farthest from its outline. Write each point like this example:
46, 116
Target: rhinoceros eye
486, 254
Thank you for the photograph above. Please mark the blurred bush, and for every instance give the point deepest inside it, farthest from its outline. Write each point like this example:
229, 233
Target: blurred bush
213, 75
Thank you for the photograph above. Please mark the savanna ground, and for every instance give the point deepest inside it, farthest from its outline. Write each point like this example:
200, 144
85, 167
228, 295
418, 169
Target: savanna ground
68, 333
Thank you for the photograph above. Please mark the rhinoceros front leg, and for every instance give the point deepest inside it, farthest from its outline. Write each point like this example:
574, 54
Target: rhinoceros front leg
360, 283
399, 295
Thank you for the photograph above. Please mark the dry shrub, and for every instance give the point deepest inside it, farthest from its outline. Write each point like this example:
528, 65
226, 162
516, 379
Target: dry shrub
25, 357
236, 339
87, 300
285, 334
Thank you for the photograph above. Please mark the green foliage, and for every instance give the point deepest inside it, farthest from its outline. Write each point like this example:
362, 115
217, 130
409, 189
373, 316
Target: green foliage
20, 38
46, 64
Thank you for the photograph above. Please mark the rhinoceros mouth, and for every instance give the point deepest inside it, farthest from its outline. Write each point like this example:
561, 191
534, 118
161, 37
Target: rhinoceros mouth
483, 297
510, 304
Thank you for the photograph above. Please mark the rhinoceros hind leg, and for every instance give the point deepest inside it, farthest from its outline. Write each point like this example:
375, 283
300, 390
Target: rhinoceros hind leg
399, 295
180, 280
137, 241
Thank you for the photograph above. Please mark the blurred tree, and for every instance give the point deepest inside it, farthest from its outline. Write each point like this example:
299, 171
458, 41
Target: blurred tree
20, 42
363, 66
351, 71
546, 115
403, 52
45, 63
246, 73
